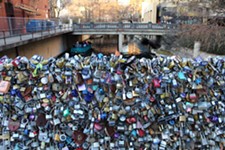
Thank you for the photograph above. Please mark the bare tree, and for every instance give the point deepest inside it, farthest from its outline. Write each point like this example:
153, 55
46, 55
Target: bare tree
101, 11
210, 34
80, 9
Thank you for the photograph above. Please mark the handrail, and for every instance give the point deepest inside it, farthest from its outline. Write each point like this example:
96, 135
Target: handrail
88, 26
23, 31
6, 37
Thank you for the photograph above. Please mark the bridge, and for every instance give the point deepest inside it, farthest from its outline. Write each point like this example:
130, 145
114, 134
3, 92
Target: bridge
17, 41
122, 28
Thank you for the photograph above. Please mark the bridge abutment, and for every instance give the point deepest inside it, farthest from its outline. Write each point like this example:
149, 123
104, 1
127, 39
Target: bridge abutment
49, 47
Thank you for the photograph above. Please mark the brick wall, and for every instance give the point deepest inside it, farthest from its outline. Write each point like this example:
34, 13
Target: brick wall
40, 5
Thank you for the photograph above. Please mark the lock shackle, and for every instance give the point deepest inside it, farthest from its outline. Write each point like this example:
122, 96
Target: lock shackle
53, 109
25, 121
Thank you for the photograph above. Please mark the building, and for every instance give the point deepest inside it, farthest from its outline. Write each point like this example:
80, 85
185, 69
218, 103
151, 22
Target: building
24, 8
14, 14
184, 11
149, 11
175, 11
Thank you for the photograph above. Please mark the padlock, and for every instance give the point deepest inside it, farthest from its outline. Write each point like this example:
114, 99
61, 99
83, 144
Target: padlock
4, 86
79, 137
62, 137
43, 136
24, 122
35, 144
116, 100
57, 137
41, 120
13, 125
16, 61
56, 87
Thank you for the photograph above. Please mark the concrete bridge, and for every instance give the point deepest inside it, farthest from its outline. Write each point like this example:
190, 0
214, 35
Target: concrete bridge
122, 29
46, 43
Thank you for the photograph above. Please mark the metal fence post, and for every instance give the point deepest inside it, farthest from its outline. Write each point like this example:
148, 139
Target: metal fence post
20, 36
4, 37
10, 25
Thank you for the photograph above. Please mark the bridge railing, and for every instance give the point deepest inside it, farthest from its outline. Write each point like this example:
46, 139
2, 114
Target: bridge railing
23, 28
16, 26
87, 26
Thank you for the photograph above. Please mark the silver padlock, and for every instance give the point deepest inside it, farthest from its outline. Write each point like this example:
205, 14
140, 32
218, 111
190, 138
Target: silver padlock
35, 144
56, 121
43, 136
24, 122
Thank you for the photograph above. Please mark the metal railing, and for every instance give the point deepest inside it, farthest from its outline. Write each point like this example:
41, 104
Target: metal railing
24, 28
13, 26
137, 26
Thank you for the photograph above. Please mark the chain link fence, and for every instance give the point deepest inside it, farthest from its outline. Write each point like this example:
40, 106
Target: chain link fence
14, 26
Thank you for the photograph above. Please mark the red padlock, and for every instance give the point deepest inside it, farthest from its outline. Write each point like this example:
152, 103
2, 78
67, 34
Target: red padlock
146, 118
13, 125
41, 120
119, 72
79, 137
15, 62
133, 119
152, 99
156, 83
141, 132
4, 73
53, 98
128, 120
97, 126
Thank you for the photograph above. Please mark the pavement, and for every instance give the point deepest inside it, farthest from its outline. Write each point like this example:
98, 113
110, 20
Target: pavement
21, 39
188, 53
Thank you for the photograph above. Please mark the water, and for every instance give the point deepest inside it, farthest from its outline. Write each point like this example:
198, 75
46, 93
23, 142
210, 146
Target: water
109, 44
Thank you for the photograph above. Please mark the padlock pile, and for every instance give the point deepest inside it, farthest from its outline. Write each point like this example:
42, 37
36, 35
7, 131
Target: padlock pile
112, 102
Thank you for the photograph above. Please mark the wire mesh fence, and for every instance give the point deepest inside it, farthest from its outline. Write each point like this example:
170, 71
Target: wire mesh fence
14, 26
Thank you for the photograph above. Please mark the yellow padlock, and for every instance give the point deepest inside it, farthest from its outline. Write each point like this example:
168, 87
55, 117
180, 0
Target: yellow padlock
171, 65
57, 137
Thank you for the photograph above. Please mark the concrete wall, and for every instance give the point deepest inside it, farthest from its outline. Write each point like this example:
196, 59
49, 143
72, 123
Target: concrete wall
46, 48
49, 47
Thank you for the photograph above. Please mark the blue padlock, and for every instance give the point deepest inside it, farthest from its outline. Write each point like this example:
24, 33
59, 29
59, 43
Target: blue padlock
101, 91
26, 132
171, 122
103, 116
134, 133
61, 145
74, 93
68, 140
